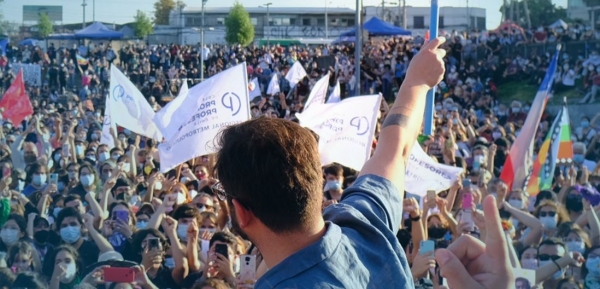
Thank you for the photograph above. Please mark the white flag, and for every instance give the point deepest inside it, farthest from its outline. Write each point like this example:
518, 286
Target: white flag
273, 85
335, 94
318, 93
164, 118
295, 74
423, 173
212, 105
255, 89
345, 129
129, 108
107, 124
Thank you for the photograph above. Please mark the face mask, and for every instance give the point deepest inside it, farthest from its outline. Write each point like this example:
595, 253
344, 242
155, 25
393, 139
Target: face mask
180, 198
184, 180
79, 150
158, 186
182, 231
585, 124
20, 185
107, 176
517, 204
126, 168
70, 234
556, 275
94, 136
141, 225
530, 264
103, 156
9, 236
516, 109
593, 266
576, 246
549, 222
87, 180
70, 273
169, 262
71, 175
133, 200
41, 236
496, 135
578, 158
39, 180
438, 107
480, 159
115, 157
56, 211
56, 157
212, 230
334, 185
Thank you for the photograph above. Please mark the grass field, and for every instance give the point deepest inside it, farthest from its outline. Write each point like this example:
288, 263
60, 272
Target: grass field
525, 92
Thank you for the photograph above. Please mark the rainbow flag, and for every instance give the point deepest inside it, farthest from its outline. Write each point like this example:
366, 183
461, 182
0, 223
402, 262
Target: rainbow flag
519, 161
557, 148
81, 60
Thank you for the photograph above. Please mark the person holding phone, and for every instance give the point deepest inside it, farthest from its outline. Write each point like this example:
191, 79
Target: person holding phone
120, 225
150, 247
221, 258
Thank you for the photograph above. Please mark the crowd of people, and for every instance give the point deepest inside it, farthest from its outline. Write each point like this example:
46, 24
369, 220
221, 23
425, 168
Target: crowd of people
73, 208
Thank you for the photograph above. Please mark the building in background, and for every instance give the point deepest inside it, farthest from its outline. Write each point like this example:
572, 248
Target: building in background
307, 25
576, 9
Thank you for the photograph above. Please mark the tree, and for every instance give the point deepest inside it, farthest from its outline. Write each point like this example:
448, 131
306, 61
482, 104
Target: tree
163, 8
45, 25
239, 28
143, 25
541, 12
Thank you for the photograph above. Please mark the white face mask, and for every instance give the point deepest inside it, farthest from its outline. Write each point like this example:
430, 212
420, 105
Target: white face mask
158, 186
182, 231
70, 273
180, 198
517, 204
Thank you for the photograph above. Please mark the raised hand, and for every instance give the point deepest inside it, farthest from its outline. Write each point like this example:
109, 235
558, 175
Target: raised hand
427, 67
469, 263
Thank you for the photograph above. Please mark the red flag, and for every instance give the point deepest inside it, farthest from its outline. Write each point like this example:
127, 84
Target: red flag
15, 104
427, 36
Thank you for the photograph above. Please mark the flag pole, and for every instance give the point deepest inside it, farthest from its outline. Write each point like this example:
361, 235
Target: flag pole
433, 33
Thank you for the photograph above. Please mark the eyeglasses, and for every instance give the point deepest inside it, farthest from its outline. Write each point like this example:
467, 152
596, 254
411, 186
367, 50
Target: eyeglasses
546, 257
550, 214
220, 191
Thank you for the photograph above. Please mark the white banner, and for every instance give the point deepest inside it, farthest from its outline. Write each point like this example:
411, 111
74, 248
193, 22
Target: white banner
273, 87
255, 89
318, 93
129, 108
336, 94
345, 129
163, 118
295, 74
423, 173
107, 124
212, 105
32, 73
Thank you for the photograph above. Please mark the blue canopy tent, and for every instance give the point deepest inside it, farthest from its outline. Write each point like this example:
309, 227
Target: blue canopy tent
28, 41
97, 30
378, 27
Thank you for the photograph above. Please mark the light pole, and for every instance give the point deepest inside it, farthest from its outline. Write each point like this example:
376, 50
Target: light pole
326, 20
268, 24
94, 10
202, 40
383, 8
358, 48
83, 5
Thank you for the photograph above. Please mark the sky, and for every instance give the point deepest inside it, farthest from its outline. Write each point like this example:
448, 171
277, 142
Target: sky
122, 11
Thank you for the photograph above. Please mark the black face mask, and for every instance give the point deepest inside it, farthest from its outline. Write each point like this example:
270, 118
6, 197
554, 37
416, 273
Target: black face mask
574, 203
123, 197
436, 232
41, 236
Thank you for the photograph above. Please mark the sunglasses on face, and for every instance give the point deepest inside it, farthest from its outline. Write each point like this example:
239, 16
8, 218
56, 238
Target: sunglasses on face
201, 206
546, 257
549, 214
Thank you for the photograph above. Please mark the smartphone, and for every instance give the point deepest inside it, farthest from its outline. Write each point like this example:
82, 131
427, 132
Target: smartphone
222, 249
122, 215
65, 150
119, 275
476, 165
466, 183
466, 217
431, 195
247, 271
467, 201
427, 246
54, 179
6, 171
153, 243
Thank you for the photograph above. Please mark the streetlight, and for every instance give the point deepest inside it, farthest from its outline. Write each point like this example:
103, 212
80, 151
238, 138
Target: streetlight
383, 2
326, 20
83, 5
358, 48
268, 24
202, 40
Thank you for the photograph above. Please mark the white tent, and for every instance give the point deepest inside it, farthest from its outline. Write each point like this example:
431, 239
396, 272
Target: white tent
559, 23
